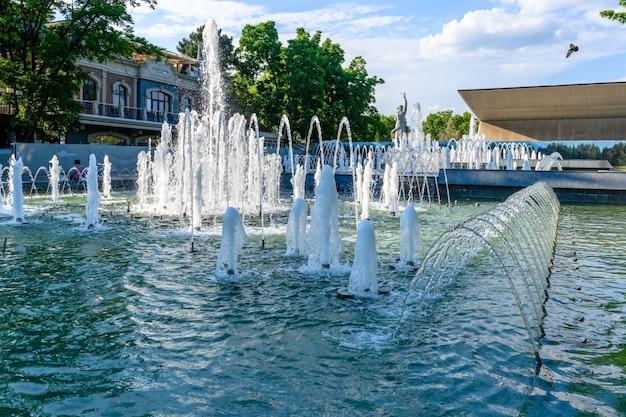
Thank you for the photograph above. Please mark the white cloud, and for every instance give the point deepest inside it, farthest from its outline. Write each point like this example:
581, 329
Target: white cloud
513, 43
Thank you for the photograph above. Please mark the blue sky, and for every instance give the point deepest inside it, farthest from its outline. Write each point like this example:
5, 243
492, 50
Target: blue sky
427, 49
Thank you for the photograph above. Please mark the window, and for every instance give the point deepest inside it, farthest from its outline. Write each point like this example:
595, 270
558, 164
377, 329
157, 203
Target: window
159, 102
89, 89
120, 96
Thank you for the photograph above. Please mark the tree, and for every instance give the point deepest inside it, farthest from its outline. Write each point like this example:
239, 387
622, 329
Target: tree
615, 155
450, 131
304, 79
193, 45
613, 15
259, 82
38, 57
435, 123
319, 86
444, 125
462, 123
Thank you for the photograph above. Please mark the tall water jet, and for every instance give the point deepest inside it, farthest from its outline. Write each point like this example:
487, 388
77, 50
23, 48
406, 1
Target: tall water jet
1, 192
93, 195
296, 229
233, 238
17, 166
410, 236
323, 240
106, 177
366, 188
298, 182
390, 190
363, 276
55, 176
221, 158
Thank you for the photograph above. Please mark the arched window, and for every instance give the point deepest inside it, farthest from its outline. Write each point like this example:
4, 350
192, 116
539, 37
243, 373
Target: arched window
89, 89
120, 95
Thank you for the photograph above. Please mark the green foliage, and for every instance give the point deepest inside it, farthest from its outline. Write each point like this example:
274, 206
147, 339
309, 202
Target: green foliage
306, 78
462, 123
444, 125
38, 57
613, 15
582, 151
435, 123
259, 81
190, 47
616, 155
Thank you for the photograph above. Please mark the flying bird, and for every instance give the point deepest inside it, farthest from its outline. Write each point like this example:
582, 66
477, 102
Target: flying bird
572, 48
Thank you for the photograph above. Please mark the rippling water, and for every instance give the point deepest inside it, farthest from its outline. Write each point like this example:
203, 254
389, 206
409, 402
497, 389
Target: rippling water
126, 320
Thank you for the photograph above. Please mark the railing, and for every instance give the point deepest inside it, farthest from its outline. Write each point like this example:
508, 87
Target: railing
130, 113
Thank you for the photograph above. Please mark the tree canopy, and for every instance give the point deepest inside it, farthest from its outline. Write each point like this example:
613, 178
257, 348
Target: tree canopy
307, 77
443, 125
40, 44
613, 15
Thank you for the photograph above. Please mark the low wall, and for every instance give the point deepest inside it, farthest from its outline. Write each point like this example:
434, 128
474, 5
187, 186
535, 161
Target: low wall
35, 155
607, 187
601, 187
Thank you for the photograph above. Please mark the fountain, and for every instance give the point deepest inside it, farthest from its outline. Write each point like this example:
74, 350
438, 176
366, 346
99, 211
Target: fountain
447, 341
410, 237
517, 237
366, 188
1, 191
363, 276
93, 195
323, 240
296, 229
233, 239
54, 178
199, 163
17, 167
106, 177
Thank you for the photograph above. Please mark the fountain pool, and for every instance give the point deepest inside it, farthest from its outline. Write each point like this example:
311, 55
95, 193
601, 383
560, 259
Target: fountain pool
124, 319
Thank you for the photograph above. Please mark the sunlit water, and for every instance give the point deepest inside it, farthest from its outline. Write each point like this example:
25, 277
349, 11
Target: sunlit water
125, 320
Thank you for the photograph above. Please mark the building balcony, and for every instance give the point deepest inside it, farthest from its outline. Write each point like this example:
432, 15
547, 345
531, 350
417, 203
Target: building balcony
103, 114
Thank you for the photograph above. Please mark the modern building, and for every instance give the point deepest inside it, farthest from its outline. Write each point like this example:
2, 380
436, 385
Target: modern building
550, 113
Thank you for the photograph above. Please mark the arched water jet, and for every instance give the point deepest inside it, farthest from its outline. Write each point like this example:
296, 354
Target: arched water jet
504, 240
345, 124
298, 173
315, 123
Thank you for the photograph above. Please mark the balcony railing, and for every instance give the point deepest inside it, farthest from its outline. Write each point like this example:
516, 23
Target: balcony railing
130, 113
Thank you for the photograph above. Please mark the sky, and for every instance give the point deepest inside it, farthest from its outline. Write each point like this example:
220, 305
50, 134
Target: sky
428, 50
